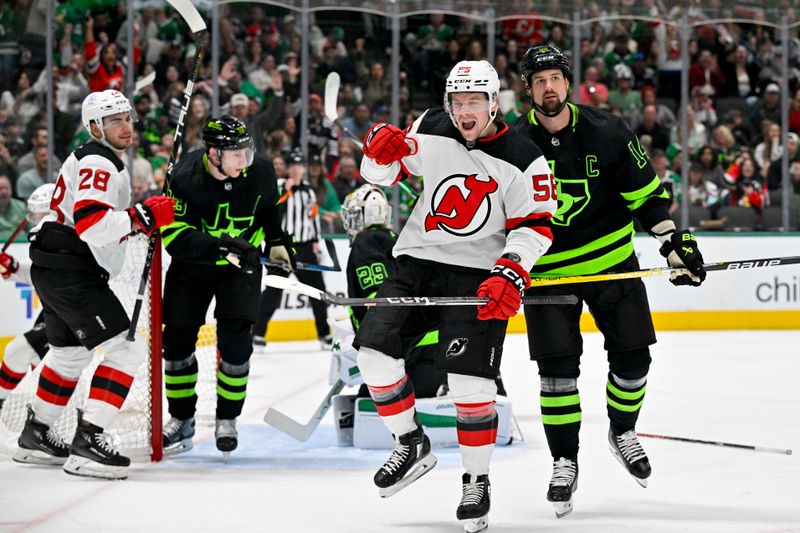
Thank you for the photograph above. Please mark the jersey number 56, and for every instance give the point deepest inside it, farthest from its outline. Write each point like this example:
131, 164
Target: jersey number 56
544, 187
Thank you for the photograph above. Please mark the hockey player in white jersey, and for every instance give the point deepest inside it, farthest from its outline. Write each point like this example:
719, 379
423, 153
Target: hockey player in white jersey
481, 223
74, 250
26, 350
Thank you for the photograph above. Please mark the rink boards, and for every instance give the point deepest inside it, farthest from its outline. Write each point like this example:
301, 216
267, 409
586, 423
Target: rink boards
763, 298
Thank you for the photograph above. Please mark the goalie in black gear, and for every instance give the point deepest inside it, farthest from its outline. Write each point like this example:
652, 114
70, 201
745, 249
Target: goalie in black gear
226, 209
604, 179
365, 216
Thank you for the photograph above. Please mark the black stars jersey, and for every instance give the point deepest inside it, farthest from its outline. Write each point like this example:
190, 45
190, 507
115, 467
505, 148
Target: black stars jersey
206, 208
604, 178
369, 264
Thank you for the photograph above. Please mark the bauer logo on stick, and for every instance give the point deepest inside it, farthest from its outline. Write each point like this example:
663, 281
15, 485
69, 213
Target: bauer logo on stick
461, 204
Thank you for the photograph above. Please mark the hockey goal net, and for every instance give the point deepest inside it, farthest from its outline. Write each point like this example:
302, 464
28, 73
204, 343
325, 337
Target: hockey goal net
137, 430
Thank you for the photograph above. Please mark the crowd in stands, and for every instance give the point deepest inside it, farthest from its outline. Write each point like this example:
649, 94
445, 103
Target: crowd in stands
629, 67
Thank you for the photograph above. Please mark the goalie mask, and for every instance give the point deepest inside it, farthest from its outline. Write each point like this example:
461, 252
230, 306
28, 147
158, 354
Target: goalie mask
365, 207
233, 145
39, 202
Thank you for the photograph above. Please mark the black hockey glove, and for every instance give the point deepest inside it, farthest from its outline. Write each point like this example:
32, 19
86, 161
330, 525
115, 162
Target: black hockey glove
681, 252
239, 253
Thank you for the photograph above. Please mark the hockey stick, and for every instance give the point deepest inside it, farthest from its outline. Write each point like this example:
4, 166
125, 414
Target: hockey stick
718, 443
332, 253
295, 429
14, 235
301, 266
336, 267
279, 282
198, 28
650, 272
332, 83
144, 82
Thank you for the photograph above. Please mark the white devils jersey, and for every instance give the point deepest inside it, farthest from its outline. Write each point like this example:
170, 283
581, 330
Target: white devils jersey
92, 191
479, 202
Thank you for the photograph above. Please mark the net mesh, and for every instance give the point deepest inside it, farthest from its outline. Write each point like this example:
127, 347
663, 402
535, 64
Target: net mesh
130, 431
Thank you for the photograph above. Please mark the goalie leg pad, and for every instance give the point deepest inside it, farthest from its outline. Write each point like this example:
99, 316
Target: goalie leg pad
476, 420
60, 372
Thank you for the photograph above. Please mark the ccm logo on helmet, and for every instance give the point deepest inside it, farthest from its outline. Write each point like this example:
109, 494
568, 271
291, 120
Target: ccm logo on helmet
461, 204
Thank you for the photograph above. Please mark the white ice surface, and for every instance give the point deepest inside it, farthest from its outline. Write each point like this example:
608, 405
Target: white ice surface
727, 386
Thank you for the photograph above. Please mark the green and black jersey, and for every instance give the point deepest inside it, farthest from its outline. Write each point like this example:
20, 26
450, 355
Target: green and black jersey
369, 264
604, 179
206, 208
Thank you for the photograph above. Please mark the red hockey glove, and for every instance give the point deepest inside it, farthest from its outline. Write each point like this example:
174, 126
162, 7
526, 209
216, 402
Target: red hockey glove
504, 289
153, 213
386, 144
8, 265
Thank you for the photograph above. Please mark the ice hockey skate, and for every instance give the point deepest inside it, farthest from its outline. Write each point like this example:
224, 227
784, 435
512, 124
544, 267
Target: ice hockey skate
227, 437
563, 485
473, 511
93, 455
259, 343
410, 460
40, 444
177, 435
629, 453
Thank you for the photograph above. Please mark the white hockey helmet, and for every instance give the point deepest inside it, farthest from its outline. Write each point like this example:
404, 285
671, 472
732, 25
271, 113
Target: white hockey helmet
365, 207
101, 104
473, 77
39, 202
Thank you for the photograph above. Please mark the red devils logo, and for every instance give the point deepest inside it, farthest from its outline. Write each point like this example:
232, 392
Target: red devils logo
461, 204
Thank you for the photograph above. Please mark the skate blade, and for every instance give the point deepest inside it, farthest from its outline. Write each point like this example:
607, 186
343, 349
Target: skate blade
562, 508
83, 467
641, 482
474, 525
37, 457
178, 448
424, 466
226, 456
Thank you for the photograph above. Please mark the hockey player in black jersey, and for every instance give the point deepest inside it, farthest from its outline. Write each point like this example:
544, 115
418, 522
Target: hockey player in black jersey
604, 180
365, 216
226, 208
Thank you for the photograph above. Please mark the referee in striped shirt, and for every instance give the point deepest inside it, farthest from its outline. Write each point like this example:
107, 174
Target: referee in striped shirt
300, 221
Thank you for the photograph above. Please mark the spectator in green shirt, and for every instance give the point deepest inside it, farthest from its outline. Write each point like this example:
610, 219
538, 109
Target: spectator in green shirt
12, 211
623, 97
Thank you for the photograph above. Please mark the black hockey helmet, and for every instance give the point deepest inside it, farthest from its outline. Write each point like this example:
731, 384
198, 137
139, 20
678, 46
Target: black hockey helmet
543, 57
226, 133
